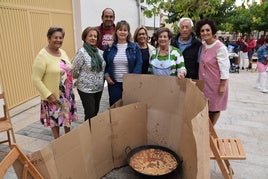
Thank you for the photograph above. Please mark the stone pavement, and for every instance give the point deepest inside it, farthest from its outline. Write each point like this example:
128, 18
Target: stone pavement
246, 118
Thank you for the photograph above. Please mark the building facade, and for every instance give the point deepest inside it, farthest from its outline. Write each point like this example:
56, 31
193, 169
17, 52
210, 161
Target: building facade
23, 29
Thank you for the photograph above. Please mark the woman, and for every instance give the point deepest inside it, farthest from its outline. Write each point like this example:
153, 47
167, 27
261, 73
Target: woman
51, 75
141, 38
121, 57
213, 68
89, 71
166, 60
262, 65
244, 62
251, 45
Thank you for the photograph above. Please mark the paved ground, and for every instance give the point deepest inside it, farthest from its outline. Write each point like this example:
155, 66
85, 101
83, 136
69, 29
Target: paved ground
245, 118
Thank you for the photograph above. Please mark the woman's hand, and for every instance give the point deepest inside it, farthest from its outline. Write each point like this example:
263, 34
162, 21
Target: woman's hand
52, 99
222, 87
109, 80
181, 75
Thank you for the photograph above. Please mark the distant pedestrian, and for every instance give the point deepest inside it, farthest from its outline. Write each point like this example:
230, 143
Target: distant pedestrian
251, 45
262, 66
213, 68
89, 68
141, 37
185, 41
260, 41
122, 57
106, 28
52, 77
244, 61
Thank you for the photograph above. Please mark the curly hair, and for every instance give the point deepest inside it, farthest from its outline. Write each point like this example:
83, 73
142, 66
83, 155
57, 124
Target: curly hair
52, 30
203, 22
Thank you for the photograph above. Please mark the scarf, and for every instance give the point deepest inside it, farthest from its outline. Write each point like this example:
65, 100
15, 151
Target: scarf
96, 60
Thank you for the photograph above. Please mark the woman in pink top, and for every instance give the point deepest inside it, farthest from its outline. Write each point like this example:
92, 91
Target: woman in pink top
213, 68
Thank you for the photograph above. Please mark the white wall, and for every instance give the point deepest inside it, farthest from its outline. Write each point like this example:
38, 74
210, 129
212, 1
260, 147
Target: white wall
88, 13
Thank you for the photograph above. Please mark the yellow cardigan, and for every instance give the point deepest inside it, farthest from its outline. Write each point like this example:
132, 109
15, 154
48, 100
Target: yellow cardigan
46, 73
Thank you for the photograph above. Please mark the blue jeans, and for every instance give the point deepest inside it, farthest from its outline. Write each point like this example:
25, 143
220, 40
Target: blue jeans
115, 92
250, 54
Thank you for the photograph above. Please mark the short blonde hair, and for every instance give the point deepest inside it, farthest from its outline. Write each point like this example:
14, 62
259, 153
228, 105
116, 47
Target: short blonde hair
135, 37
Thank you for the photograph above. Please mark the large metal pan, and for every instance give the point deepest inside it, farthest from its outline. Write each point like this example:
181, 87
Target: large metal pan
131, 154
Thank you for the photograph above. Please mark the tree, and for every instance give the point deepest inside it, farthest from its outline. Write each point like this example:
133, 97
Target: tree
195, 9
259, 16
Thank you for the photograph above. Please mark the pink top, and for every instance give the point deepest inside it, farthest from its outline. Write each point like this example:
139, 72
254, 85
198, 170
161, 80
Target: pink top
210, 70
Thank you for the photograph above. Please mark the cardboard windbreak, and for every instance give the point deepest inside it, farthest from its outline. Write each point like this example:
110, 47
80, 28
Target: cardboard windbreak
177, 118
154, 110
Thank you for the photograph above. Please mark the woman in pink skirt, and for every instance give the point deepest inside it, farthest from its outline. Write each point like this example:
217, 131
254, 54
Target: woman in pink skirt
213, 68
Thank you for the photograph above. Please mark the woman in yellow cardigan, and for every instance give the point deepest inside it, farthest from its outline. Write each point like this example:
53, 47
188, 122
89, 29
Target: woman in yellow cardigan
51, 75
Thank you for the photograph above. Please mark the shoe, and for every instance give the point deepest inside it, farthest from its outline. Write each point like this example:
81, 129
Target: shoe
258, 87
264, 91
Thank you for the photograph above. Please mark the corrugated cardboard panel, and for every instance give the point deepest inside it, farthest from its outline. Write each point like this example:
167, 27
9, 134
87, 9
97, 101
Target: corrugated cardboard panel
164, 97
73, 153
44, 162
101, 133
129, 128
175, 109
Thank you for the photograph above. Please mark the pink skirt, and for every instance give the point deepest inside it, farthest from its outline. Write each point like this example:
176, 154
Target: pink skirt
261, 67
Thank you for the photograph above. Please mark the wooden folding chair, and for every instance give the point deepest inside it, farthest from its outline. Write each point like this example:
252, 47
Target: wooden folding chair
5, 121
16, 154
225, 149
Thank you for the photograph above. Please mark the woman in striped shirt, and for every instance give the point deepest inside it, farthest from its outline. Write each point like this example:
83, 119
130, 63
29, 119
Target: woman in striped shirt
166, 60
121, 57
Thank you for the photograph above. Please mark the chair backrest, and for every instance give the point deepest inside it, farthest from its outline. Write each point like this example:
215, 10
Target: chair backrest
2, 106
4, 112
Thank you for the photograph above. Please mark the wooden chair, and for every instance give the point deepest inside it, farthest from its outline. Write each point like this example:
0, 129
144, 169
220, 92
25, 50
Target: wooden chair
5, 121
27, 167
225, 149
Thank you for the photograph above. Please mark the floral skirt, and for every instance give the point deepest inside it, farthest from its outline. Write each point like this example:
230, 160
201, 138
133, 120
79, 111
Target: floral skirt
65, 111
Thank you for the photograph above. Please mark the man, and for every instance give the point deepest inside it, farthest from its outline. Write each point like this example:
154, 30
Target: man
107, 28
189, 45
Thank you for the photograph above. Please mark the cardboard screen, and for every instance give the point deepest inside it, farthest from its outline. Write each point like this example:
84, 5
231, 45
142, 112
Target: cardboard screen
154, 110
177, 115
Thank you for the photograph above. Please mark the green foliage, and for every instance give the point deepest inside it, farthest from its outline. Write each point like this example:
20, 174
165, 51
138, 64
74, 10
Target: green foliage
246, 19
227, 16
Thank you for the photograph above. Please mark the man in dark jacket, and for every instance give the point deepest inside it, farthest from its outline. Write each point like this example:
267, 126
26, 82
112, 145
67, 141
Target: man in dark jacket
189, 45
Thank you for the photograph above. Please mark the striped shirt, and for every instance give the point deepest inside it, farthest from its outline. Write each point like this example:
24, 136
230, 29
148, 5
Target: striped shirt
168, 65
120, 62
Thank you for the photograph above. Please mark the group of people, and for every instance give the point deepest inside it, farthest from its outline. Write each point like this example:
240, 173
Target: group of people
247, 45
108, 53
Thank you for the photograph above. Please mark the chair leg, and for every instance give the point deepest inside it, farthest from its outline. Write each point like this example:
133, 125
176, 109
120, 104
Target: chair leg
8, 138
228, 165
223, 167
13, 135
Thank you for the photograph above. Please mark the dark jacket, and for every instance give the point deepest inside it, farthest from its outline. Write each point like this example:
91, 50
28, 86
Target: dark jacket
190, 55
133, 56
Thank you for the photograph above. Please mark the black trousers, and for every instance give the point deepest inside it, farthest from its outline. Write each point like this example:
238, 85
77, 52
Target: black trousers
91, 103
